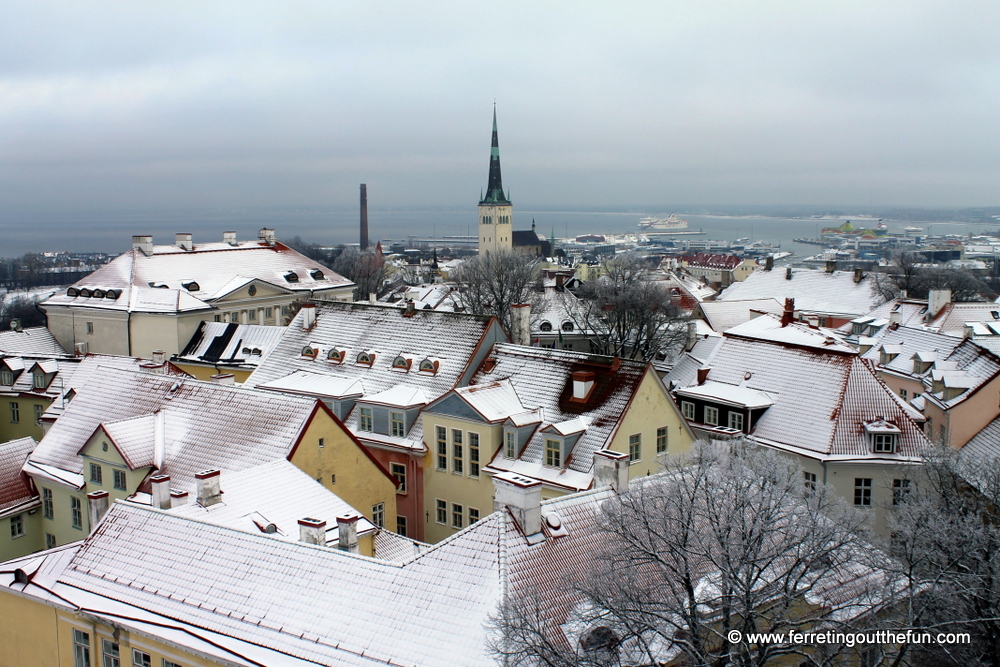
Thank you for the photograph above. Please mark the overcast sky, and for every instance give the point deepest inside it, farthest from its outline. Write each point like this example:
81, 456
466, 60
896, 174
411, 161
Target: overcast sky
156, 106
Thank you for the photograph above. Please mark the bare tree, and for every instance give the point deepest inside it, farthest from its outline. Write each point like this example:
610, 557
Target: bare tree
907, 273
728, 542
490, 284
946, 548
367, 270
625, 314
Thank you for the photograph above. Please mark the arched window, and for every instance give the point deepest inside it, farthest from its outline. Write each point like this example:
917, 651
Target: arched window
316, 274
567, 326
309, 351
366, 358
334, 355
428, 366
545, 326
401, 362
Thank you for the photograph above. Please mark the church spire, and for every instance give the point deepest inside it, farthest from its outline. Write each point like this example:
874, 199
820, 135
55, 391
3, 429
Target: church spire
494, 188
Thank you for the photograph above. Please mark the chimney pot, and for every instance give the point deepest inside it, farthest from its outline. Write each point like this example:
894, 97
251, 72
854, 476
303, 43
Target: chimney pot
159, 356
859, 275
347, 533
372, 297
523, 497
936, 300
788, 314
895, 317
611, 469
209, 492
788, 273
97, 503
161, 491
692, 335
769, 263
178, 498
312, 531
831, 265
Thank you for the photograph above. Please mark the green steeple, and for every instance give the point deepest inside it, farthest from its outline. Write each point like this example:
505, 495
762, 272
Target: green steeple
494, 188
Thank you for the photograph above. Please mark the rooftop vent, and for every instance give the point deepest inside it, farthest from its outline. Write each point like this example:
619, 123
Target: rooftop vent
229, 237
312, 531
143, 243
184, 241
583, 384
191, 286
308, 316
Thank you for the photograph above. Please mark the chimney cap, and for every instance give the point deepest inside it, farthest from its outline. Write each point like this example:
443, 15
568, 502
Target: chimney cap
345, 519
517, 480
159, 479
310, 522
97, 495
207, 474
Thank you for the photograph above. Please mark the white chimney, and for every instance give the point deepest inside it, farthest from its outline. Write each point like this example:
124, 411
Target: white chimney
97, 502
523, 497
209, 491
611, 469
312, 531
692, 335
583, 383
159, 356
936, 300
267, 236
224, 378
229, 237
144, 243
178, 498
347, 533
159, 439
894, 317
372, 297
150, 367
160, 485
520, 324
80, 349
184, 241
308, 316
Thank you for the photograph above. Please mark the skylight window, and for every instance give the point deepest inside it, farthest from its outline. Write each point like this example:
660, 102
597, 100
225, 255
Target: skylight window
98, 293
72, 291
85, 292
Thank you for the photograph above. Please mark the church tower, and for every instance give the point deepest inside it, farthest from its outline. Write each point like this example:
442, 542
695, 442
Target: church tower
494, 209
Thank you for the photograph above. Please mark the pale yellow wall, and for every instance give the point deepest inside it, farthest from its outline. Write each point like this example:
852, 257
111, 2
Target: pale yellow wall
895, 383
360, 483
31, 541
29, 633
205, 372
841, 477
970, 416
109, 460
155, 332
464, 490
650, 409
69, 326
495, 236
61, 524
26, 424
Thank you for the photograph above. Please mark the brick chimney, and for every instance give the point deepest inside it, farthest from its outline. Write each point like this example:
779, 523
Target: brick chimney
859, 275
611, 469
209, 491
522, 496
97, 503
788, 273
788, 314
769, 263
312, 531
520, 324
347, 533
160, 485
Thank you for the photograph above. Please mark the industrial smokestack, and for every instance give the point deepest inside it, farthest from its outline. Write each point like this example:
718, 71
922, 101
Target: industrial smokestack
364, 216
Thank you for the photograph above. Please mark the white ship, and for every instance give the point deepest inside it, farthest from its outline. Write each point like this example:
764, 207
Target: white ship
662, 224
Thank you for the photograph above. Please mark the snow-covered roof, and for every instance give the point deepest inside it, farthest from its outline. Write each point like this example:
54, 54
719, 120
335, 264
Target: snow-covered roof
909, 342
555, 307
34, 341
952, 317
728, 394
981, 457
316, 384
768, 327
15, 490
173, 280
910, 313
275, 493
495, 401
243, 345
400, 396
814, 291
58, 373
133, 437
968, 367
206, 425
822, 396
540, 378
724, 315
451, 338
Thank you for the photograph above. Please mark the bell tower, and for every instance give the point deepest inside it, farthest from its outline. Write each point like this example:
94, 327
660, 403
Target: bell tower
495, 210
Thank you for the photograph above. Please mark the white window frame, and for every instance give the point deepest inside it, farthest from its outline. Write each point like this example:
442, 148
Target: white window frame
441, 434
398, 471
473, 445
687, 409
441, 511
662, 439
635, 448
365, 419
397, 424
884, 443
16, 526
736, 420
378, 514
457, 516
714, 413
862, 492
81, 648
510, 444
553, 452
141, 659
110, 653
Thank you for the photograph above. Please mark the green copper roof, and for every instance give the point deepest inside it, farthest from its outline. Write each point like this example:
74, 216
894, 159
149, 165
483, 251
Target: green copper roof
494, 188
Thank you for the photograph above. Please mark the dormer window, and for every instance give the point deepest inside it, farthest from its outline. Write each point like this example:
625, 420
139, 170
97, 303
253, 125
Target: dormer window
401, 363
192, 286
545, 326
6, 377
85, 292
428, 366
292, 277
366, 359
711, 415
72, 291
335, 356
553, 453
98, 293
41, 381
884, 443
316, 274
567, 326
309, 351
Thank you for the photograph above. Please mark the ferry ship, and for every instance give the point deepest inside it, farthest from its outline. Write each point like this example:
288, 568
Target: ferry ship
663, 224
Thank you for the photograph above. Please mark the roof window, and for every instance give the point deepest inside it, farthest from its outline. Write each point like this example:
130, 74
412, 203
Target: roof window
98, 293
334, 355
310, 351
883, 436
316, 274
429, 366
567, 326
545, 326
85, 292
292, 277
402, 363
112, 294
6, 377
72, 291
156, 285
191, 286
366, 358
256, 352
